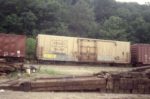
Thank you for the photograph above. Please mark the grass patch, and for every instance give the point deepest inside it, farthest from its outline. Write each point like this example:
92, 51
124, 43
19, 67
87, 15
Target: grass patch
50, 72
13, 75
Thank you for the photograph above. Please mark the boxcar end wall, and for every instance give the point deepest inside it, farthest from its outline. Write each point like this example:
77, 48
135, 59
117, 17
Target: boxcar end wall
140, 54
12, 47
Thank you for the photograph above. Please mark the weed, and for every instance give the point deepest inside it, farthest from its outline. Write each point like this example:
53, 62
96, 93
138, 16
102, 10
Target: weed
50, 72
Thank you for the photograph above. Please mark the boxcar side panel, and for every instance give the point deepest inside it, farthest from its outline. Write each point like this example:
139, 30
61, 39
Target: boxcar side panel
140, 53
123, 53
56, 48
134, 54
113, 51
106, 51
12, 45
61, 48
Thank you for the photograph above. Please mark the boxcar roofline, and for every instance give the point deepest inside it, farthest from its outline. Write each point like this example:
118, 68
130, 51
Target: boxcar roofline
103, 40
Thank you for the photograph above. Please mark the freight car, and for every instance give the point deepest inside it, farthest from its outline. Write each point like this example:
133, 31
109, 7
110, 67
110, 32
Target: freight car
74, 49
12, 47
140, 54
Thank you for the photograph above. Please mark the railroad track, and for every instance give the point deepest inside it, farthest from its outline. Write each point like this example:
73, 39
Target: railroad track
8, 67
134, 81
125, 82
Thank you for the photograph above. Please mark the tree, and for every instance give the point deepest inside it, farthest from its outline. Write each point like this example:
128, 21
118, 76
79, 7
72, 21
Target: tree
104, 9
30, 47
12, 22
49, 17
82, 20
114, 28
32, 16
139, 31
124, 13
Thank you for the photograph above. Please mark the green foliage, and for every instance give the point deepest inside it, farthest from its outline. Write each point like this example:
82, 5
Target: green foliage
140, 31
114, 28
104, 9
82, 20
124, 13
30, 47
50, 71
105, 19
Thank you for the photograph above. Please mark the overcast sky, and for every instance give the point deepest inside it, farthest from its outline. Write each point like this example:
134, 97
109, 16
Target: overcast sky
138, 1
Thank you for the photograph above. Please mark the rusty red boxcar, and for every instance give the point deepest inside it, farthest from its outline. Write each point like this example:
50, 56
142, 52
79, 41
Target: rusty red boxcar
12, 47
140, 54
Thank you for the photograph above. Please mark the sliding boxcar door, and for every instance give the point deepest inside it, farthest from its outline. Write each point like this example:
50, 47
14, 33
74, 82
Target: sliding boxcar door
87, 50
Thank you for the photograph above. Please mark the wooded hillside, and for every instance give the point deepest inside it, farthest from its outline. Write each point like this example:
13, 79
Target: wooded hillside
103, 19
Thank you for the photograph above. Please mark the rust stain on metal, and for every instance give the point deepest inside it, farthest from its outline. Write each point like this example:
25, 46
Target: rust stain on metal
140, 53
87, 50
12, 45
127, 82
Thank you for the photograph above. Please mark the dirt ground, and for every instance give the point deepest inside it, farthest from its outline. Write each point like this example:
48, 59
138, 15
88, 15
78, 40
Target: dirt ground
68, 95
54, 70
76, 69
